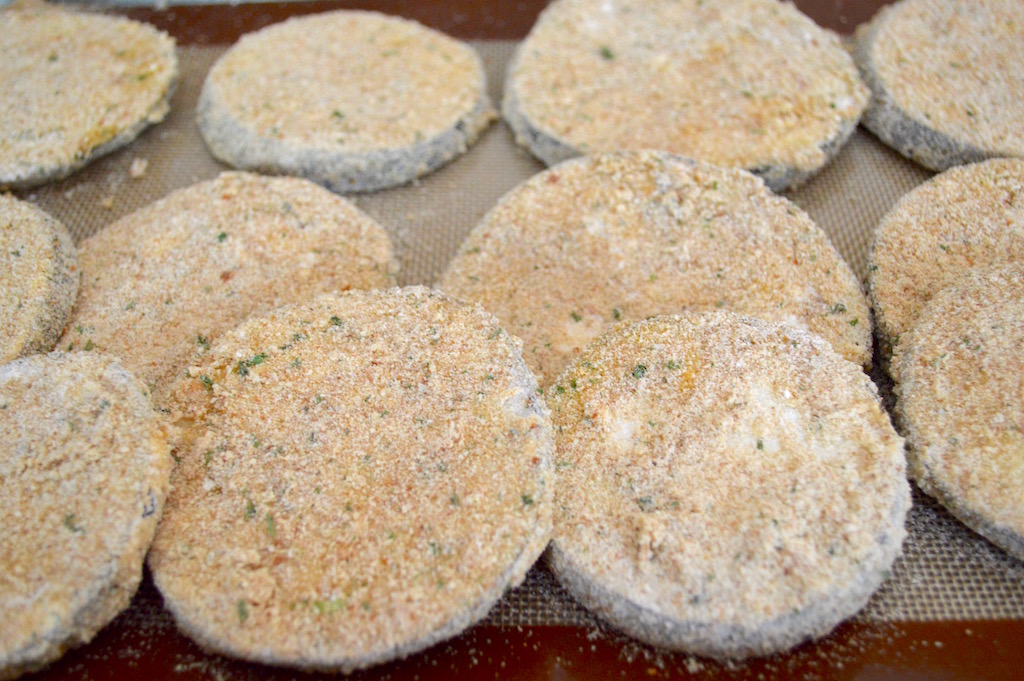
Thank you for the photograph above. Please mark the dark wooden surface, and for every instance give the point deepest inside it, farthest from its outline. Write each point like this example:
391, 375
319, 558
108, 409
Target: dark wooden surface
466, 19
143, 644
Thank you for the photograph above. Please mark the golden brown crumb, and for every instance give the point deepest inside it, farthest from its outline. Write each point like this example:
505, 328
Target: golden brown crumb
159, 285
623, 236
360, 476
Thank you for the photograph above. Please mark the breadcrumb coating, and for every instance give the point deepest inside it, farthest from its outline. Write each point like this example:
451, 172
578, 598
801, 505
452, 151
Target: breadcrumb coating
359, 477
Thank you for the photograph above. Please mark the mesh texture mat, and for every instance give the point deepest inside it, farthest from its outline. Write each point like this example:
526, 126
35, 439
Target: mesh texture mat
946, 571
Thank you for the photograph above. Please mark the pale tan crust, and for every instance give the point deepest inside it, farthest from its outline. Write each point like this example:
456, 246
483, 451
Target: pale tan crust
947, 79
359, 477
726, 486
969, 216
623, 236
75, 86
159, 285
38, 278
961, 401
752, 84
357, 101
84, 468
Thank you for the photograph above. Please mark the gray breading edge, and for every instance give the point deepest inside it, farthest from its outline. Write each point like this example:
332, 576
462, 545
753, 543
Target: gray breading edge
710, 90
960, 402
745, 491
307, 149
102, 101
84, 462
943, 106
43, 262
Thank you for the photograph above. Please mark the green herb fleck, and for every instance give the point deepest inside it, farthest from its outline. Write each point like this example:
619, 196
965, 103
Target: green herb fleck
454, 499
760, 443
271, 530
575, 316
616, 314
336, 321
221, 237
203, 342
527, 500
639, 371
337, 114
671, 365
854, 321
207, 382
837, 308
69, 522
606, 53
250, 510
329, 607
243, 611
244, 365
646, 504
89, 345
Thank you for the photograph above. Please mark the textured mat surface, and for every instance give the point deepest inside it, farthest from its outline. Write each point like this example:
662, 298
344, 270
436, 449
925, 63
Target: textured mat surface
946, 571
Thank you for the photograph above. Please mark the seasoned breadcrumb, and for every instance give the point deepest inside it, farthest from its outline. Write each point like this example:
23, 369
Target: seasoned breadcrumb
159, 285
357, 101
623, 236
360, 477
752, 84
726, 486
84, 467
969, 216
38, 278
75, 86
947, 79
961, 401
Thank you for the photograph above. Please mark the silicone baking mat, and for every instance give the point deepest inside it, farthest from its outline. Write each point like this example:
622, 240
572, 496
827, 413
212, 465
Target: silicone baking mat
946, 571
